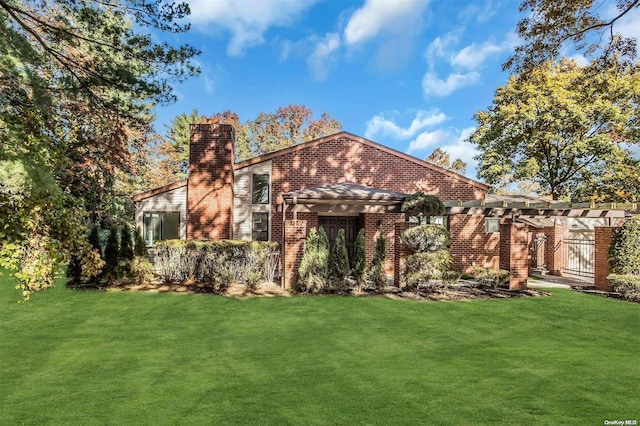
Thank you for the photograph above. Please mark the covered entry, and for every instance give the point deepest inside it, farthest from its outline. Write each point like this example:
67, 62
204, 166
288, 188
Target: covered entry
332, 224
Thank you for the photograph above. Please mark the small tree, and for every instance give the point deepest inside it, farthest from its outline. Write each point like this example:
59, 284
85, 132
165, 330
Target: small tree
94, 239
126, 244
422, 206
313, 267
112, 251
624, 251
376, 271
339, 261
140, 246
359, 260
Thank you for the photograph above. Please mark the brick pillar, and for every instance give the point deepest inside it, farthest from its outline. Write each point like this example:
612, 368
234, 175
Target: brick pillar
295, 234
514, 253
602, 242
399, 251
555, 253
210, 185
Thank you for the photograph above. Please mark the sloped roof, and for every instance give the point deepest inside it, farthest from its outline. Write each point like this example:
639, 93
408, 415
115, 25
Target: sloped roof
364, 141
345, 191
155, 191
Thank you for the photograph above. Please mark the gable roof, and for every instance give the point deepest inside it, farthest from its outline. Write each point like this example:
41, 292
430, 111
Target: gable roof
375, 145
161, 189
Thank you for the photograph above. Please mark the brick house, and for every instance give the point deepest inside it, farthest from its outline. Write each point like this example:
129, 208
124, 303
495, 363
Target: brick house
338, 181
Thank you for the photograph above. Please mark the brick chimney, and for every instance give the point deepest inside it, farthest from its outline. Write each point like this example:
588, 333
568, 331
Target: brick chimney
210, 186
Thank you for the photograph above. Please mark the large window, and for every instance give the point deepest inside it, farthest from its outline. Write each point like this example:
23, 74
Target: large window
161, 226
260, 190
492, 225
260, 226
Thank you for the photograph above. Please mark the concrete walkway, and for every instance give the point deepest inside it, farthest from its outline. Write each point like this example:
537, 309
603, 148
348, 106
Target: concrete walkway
552, 281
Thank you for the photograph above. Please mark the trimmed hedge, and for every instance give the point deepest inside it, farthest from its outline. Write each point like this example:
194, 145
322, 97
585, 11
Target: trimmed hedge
491, 277
624, 251
216, 263
424, 238
626, 284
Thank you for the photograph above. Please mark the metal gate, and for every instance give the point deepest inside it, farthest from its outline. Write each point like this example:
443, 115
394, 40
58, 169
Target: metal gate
537, 249
579, 256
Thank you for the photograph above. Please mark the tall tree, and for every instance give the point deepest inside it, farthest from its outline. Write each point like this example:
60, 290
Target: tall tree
566, 129
441, 158
551, 26
77, 82
176, 146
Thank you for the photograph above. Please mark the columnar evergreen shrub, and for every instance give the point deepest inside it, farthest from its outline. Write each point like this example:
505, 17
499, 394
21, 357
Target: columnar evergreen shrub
360, 260
339, 262
377, 273
140, 247
94, 239
314, 264
112, 252
126, 244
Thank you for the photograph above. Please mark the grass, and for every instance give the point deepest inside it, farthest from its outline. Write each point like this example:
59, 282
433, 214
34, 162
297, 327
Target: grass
74, 357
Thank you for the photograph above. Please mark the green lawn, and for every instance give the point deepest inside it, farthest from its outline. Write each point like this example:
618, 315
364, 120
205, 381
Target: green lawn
73, 357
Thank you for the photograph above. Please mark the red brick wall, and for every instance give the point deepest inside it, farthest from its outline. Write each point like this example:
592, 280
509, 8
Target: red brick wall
210, 185
470, 245
296, 231
601, 263
555, 251
514, 253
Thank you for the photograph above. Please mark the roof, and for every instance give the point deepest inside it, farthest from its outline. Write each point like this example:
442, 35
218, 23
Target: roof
364, 141
159, 190
345, 191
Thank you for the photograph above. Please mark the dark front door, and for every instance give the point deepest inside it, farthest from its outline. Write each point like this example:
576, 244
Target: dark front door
332, 224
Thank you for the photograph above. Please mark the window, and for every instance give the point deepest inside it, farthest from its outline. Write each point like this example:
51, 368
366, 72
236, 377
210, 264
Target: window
161, 226
260, 227
491, 225
260, 191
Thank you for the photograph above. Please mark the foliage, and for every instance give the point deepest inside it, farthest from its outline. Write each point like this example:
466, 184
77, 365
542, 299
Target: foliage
140, 247
215, 263
624, 251
94, 238
421, 269
423, 206
441, 158
339, 261
551, 26
360, 260
77, 82
112, 251
140, 269
313, 270
126, 243
566, 130
626, 284
424, 238
491, 277
377, 274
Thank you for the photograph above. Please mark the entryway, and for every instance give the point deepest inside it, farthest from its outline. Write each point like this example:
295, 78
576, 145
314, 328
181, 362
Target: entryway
332, 224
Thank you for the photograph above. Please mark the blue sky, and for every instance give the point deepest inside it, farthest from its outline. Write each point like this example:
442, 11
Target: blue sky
409, 74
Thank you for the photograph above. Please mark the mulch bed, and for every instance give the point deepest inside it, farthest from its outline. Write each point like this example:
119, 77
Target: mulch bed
610, 294
466, 293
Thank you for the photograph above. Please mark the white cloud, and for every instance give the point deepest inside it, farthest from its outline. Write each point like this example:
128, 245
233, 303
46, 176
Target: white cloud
323, 56
432, 85
429, 139
473, 56
378, 16
246, 20
627, 25
381, 126
442, 47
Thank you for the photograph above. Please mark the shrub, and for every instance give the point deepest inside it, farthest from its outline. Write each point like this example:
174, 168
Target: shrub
112, 252
272, 258
140, 247
624, 251
126, 244
491, 277
424, 238
421, 269
359, 260
626, 284
94, 239
140, 268
377, 273
423, 206
339, 261
314, 264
